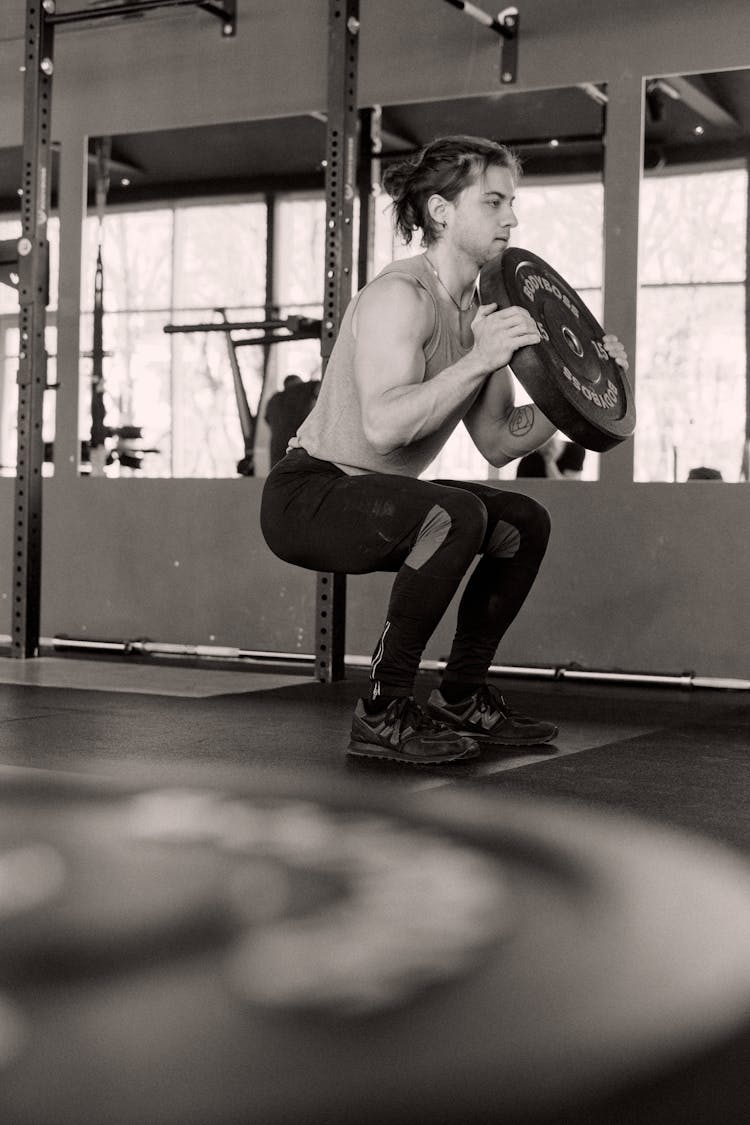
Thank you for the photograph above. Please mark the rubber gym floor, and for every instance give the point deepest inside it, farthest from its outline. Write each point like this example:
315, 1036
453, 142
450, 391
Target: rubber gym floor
667, 756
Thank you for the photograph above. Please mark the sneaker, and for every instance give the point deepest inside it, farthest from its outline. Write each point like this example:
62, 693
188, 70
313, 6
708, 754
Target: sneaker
486, 717
404, 733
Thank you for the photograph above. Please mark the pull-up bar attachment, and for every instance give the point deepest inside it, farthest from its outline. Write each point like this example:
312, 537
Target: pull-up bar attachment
277, 331
223, 10
504, 24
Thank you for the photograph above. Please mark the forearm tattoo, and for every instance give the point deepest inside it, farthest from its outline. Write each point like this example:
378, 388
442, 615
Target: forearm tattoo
521, 420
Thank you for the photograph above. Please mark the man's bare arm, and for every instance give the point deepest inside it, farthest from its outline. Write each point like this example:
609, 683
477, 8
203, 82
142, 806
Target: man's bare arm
393, 321
501, 430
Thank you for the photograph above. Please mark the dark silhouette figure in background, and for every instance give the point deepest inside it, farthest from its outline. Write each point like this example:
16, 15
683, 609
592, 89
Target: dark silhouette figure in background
286, 411
702, 472
558, 459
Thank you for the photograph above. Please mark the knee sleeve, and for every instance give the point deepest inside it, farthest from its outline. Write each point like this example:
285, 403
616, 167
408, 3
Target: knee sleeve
451, 532
523, 529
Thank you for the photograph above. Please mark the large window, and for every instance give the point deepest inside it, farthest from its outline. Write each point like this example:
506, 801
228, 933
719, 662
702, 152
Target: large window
563, 224
298, 280
177, 265
691, 390
196, 263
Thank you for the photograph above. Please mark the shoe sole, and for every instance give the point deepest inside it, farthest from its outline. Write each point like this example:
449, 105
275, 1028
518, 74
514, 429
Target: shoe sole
486, 739
371, 750
514, 742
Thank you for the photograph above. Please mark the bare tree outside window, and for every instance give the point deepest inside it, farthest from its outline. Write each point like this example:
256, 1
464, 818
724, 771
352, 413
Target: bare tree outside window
176, 265
691, 325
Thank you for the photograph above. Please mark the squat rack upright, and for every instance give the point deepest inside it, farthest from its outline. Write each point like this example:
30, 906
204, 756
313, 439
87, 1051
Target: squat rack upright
29, 262
341, 184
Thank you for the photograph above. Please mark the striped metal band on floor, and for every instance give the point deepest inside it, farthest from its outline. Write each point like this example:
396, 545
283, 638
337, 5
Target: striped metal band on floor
145, 679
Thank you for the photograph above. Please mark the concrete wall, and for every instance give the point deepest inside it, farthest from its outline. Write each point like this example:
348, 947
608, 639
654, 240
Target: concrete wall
639, 577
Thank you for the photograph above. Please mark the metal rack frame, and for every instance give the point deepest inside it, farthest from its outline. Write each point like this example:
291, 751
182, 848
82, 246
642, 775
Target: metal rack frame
31, 265
342, 161
506, 25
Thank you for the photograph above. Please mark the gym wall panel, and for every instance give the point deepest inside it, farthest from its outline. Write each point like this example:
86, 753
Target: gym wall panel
179, 561
621, 587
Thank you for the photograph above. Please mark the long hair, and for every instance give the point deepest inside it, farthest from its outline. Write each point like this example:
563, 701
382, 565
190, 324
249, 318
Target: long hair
444, 167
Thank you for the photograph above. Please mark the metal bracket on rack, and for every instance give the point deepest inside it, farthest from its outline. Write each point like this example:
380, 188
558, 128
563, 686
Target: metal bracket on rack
508, 26
504, 24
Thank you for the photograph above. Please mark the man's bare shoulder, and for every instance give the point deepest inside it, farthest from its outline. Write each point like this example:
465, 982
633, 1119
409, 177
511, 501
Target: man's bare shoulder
397, 298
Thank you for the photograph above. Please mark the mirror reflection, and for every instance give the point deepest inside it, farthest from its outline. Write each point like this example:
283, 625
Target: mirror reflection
202, 274
195, 231
692, 367
206, 245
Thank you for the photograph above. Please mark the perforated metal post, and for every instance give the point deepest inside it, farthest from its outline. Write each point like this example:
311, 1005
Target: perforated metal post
33, 269
368, 184
341, 171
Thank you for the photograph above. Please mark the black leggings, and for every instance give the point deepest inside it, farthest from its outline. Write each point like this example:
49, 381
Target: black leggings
428, 532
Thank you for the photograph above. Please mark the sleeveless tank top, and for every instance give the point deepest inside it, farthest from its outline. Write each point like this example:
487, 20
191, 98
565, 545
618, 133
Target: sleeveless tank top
333, 430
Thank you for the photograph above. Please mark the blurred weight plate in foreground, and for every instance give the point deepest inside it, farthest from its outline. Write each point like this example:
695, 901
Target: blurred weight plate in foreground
274, 949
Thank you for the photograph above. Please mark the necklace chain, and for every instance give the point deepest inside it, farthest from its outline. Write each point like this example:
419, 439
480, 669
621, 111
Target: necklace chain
447, 290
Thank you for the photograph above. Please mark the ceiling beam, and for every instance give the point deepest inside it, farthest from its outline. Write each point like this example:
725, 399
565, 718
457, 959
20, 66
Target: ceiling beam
696, 95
